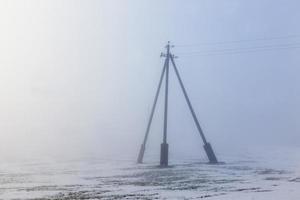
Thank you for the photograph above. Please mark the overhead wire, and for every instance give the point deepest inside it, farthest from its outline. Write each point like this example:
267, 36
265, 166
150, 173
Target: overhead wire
239, 41
240, 46
252, 49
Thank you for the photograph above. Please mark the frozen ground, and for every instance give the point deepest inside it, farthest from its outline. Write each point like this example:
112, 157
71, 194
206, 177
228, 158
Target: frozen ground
273, 176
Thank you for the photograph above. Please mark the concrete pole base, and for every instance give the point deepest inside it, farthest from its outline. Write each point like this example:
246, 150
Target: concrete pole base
141, 154
164, 154
210, 154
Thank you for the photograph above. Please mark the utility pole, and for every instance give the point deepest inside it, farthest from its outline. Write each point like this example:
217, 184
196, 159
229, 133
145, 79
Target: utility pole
165, 146
207, 146
143, 146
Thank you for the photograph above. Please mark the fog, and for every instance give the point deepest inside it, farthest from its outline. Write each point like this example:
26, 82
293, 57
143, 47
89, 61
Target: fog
78, 78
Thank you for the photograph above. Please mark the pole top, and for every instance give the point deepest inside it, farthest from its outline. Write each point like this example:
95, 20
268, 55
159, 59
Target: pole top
168, 46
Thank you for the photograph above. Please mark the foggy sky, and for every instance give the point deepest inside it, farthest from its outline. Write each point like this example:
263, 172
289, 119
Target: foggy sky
78, 77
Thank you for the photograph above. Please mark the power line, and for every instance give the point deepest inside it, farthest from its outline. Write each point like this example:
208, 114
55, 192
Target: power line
242, 50
239, 41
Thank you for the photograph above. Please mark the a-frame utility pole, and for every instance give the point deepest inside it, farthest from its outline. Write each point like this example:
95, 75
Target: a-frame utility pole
164, 146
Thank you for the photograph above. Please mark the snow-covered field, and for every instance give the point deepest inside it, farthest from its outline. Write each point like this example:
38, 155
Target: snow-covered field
273, 176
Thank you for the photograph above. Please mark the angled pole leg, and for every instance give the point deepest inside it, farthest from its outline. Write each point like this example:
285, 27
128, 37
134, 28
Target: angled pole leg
207, 147
143, 146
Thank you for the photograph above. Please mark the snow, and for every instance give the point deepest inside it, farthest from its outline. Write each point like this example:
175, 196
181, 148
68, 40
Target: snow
274, 176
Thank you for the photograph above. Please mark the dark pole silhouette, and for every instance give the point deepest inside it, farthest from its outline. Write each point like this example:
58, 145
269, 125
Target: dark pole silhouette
143, 146
207, 147
164, 146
